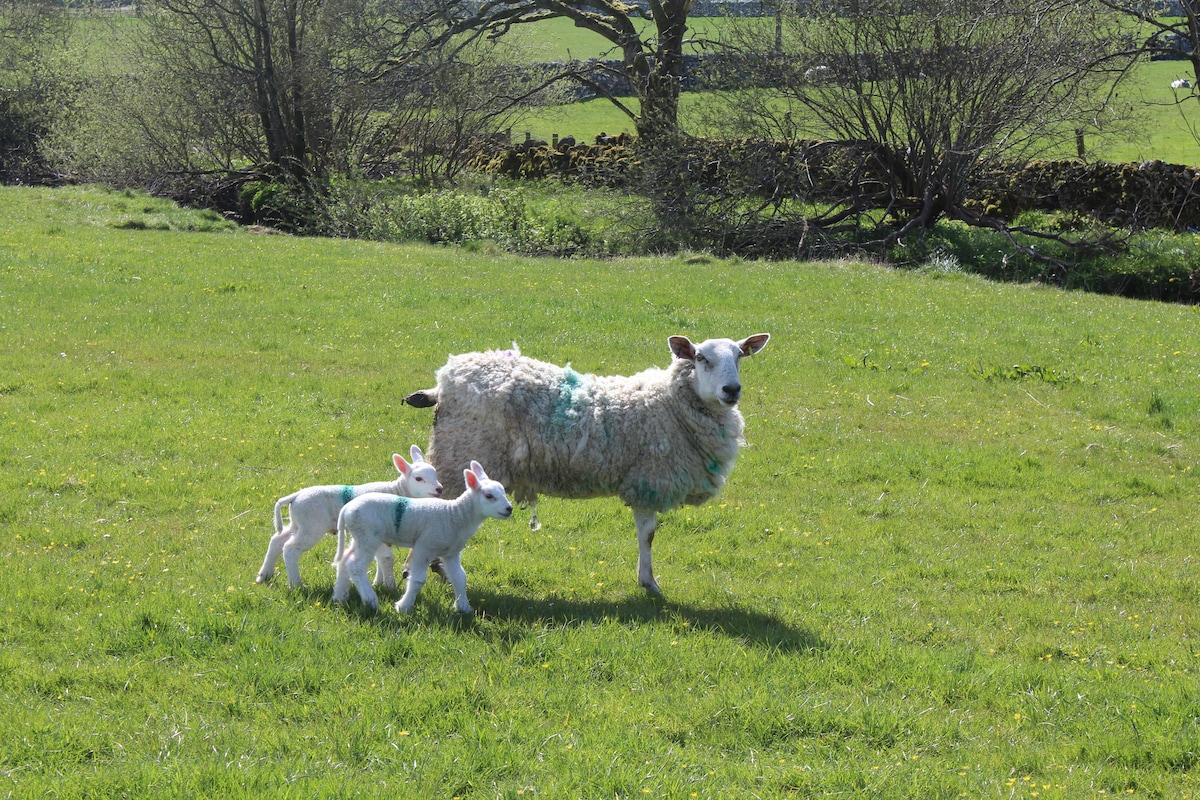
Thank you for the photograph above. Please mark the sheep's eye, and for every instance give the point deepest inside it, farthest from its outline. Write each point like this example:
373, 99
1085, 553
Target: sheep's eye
701, 359
489, 496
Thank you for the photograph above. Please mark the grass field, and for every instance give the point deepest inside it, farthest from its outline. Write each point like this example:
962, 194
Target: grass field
957, 559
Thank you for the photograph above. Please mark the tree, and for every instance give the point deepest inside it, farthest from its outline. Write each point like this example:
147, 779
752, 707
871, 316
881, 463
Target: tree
1176, 36
264, 102
1176, 27
928, 96
652, 61
34, 89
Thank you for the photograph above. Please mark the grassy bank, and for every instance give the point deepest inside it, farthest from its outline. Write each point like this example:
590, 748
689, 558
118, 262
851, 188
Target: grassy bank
956, 560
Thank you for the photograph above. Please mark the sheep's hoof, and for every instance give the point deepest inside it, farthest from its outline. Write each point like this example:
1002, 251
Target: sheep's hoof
652, 588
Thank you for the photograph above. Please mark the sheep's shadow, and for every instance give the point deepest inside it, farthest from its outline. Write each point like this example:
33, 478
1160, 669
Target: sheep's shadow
748, 626
752, 627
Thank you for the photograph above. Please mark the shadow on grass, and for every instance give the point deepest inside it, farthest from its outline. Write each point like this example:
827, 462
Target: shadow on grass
749, 626
501, 616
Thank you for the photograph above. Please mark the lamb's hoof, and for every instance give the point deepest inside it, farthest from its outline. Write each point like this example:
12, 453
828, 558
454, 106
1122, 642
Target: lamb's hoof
402, 609
652, 588
263, 578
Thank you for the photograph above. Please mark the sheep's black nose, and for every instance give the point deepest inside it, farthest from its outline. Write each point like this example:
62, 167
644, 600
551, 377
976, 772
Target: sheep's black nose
732, 391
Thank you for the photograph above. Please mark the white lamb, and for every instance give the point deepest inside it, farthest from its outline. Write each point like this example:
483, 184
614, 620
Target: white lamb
1181, 83
314, 512
657, 439
432, 528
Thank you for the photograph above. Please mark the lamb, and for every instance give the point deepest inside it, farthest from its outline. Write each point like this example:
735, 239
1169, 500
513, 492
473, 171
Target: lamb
657, 439
314, 512
1181, 83
432, 528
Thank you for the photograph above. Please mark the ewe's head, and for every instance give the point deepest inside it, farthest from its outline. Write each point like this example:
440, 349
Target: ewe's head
490, 492
420, 478
716, 365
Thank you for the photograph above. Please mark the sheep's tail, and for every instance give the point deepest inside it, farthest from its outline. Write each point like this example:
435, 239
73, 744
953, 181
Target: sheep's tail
279, 504
426, 398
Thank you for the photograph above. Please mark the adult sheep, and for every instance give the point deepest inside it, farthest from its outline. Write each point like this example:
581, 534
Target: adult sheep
658, 440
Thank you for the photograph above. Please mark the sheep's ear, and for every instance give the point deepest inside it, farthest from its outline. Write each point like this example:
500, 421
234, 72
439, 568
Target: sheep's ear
416, 454
477, 468
682, 347
472, 479
402, 466
752, 344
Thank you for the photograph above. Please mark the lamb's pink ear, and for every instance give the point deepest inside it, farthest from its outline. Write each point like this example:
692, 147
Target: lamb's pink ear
415, 453
401, 465
682, 347
752, 344
472, 479
477, 468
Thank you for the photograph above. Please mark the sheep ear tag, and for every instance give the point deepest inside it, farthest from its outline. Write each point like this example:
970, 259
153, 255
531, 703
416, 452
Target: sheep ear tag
401, 465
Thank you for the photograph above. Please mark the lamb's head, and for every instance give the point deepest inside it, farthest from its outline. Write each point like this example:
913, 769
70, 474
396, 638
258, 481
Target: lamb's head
419, 478
716, 363
493, 502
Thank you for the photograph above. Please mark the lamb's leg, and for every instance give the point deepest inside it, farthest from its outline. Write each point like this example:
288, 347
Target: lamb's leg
385, 567
300, 543
341, 581
355, 567
435, 565
646, 522
458, 579
274, 549
418, 569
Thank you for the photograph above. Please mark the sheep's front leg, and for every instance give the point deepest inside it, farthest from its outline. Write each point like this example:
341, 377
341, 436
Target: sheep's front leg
417, 571
647, 522
385, 570
458, 579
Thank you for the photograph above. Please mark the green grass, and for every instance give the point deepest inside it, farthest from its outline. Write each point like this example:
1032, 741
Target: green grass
957, 558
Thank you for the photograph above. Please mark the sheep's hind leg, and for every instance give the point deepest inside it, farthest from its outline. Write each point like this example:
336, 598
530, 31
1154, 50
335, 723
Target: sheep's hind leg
353, 568
274, 550
647, 522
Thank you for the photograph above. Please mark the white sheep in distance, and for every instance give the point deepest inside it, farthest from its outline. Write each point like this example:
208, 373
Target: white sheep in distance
657, 439
432, 528
314, 511
1181, 83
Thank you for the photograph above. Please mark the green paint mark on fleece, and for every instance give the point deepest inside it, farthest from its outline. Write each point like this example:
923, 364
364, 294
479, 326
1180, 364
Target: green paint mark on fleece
570, 398
347, 494
401, 507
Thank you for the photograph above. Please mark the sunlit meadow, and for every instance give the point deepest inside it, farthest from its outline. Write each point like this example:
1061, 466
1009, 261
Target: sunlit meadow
956, 559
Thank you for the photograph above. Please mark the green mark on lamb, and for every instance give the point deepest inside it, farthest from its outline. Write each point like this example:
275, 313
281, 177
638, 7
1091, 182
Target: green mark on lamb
347, 494
401, 507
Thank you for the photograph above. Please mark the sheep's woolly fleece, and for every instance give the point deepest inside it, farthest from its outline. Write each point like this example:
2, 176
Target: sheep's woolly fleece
538, 427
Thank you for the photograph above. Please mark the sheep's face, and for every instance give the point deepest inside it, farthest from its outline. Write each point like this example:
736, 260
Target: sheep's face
494, 502
423, 481
419, 478
717, 363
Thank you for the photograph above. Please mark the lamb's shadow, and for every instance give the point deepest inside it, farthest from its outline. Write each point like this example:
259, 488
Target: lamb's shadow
752, 627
